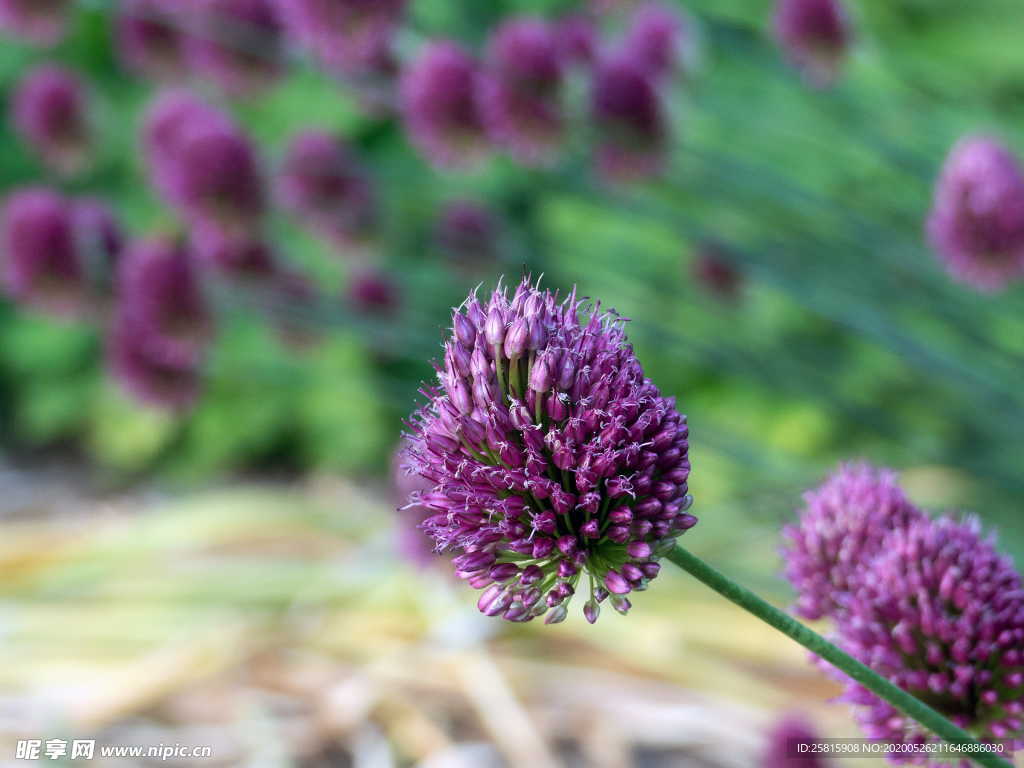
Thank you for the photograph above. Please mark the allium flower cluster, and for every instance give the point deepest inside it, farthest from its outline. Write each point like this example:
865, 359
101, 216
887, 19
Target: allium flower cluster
345, 36
153, 36
410, 542
660, 40
941, 614
977, 219
234, 256
843, 525
203, 164
323, 182
814, 35
784, 742
552, 459
49, 113
521, 90
576, 37
162, 324
39, 21
239, 44
438, 96
371, 292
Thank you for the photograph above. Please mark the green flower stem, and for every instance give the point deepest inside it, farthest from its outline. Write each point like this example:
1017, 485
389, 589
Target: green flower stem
817, 644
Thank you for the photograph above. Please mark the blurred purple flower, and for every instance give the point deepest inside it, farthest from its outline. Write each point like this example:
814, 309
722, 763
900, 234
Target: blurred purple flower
239, 44
323, 182
162, 301
841, 528
38, 21
468, 232
941, 614
661, 40
153, 36
438, 97
242, 257
784, 741
99, 241
412, 543
577, 39
629, 119
345, 36
148, 377
712, 269
977, 219
163, 127
814, 35
41, 266
49, 113
372, 292
554, 462
521, 90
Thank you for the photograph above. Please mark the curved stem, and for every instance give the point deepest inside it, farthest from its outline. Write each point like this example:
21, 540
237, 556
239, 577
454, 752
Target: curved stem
817, 644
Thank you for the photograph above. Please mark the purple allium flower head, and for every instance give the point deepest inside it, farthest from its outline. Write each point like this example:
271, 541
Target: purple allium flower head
467, 231
148, 377
521, 90
243, 257
416, 548
712, 269
322, 181
162, 300
49, 112
977, 219
239, 44
660, 40
784, 741
41, 265
814, 35
345, 36
372, 292
438, 97
940, 613
556, 466
629, 119
38, 21
99, 241
576, 37
153, 36
842, 526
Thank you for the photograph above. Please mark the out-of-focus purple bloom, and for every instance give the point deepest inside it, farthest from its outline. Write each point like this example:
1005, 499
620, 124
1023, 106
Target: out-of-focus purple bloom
372, 292
345, 36
162, 300
163, 127
661, 40
467, 231
629, 120
153, 36
239, 44
99, 241
38, 21
416, 548
941, 614
49, 110
242, 257
439, 103
555, 464
977, 219
41, 266
712, 269
322, 181
784, 742
521, 90
842, 527
577, 39
814, 35
148, 377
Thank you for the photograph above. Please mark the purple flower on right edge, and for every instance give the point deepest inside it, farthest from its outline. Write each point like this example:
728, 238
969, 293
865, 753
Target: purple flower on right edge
976, 224
929, 604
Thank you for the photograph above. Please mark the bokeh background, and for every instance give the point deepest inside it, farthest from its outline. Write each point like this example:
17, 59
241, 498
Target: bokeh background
228, 574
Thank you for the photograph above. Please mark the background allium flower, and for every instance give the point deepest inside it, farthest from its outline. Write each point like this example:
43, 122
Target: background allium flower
239, 44
161, 300
322, 181
99, 241
344, 35
661, 40
152, 36
41, 266
39, 21
49, 112
577, 39
373, 292
412, 545
814, 35
784, 740
467, 231
246, 257
842, 526
941, 614
977, 219
521, 90
712, 269
629, 120
148, 377
555, 464
438, 97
